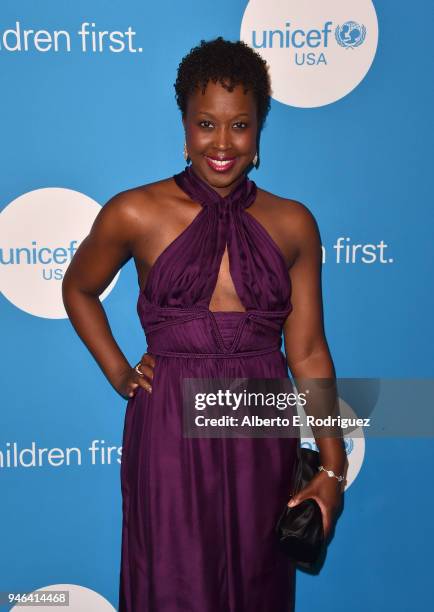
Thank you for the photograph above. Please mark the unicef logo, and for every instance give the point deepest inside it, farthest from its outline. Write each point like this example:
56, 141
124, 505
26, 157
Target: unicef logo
305, 44
40, 232
350, 34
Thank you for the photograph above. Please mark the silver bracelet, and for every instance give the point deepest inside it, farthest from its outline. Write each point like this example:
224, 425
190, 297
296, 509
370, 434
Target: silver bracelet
330, 473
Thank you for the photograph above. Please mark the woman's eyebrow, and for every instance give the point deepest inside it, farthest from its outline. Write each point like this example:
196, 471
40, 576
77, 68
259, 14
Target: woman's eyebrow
213, 117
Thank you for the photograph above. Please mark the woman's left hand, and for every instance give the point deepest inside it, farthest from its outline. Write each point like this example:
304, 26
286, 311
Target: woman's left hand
327, 492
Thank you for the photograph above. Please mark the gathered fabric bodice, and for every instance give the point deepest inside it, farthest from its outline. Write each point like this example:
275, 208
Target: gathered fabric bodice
182, 280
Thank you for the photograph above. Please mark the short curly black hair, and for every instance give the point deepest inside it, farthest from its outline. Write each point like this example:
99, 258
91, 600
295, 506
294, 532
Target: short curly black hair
230, 63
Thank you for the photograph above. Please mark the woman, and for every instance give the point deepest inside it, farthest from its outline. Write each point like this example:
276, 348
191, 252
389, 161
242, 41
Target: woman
218, 260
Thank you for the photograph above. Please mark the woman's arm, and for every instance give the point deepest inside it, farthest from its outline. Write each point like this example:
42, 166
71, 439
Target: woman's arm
96, 262
308, 355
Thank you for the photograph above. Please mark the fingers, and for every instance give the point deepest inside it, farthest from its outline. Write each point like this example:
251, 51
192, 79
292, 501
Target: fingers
326, 517
297, 499
148, 360
294, 501
143, 375
300, 496
146, 366
327, 511
147, 371
327, 525
138, 381
142, 382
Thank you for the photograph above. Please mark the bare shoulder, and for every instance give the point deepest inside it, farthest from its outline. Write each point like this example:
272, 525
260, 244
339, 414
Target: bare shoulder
136, 210
287, 210
291, 220
130, 204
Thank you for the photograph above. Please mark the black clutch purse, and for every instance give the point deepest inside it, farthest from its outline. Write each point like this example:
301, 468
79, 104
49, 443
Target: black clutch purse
300, 529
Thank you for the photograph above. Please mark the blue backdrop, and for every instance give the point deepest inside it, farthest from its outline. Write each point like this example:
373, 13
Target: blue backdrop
99, 122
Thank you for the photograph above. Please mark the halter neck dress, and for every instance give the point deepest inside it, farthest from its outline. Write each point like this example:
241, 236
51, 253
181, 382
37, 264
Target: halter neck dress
199, 513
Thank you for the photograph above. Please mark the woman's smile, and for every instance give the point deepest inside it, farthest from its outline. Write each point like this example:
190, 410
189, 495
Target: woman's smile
221, 164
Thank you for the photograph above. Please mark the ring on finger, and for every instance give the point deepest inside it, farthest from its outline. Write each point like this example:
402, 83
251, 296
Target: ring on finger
137, 369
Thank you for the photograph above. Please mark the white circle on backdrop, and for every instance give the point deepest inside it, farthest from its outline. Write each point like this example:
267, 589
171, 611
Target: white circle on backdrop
40, 231
317, 50
354, 441
81, 599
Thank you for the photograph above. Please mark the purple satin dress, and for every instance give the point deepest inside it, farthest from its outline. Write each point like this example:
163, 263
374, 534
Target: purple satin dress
199, 513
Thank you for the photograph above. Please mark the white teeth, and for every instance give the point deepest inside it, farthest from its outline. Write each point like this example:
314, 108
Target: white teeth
221, 163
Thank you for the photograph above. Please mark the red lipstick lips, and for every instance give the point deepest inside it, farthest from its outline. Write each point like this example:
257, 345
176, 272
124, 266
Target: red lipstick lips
221, 164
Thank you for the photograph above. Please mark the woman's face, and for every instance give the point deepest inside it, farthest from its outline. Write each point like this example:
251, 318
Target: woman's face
221, 125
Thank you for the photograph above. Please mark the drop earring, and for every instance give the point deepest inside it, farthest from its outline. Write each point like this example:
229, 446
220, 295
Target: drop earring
255, 160
185, 151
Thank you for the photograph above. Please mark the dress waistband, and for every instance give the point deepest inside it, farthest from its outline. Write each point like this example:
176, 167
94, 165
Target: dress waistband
253, 353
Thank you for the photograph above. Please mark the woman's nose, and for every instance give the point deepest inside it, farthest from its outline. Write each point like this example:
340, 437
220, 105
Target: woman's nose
222, 138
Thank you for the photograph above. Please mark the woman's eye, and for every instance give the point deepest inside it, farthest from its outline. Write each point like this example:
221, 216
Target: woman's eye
206, 124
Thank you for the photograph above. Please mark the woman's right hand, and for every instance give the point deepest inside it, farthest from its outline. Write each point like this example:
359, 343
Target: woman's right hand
130, 380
